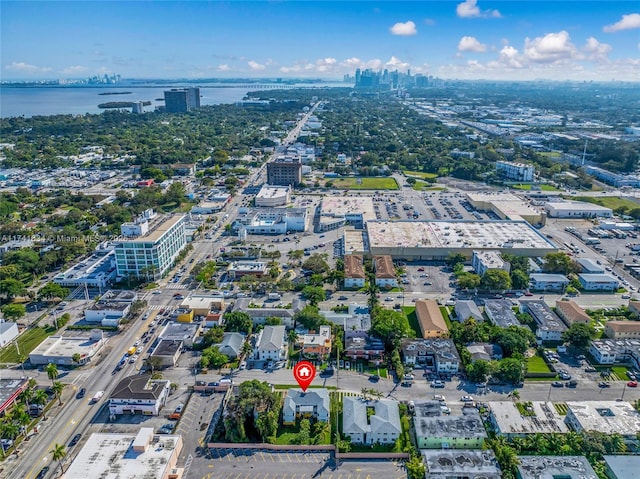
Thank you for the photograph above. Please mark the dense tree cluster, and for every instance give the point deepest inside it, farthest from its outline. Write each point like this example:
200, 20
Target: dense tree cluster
252, 415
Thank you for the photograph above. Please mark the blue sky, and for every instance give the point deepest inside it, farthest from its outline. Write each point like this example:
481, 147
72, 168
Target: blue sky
471, 39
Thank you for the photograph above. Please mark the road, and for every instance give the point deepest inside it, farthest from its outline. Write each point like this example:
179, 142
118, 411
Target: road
76, 415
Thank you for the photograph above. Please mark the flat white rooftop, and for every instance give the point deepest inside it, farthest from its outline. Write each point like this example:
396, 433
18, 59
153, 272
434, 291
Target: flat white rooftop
124, 456
544, 418
608, 417
343, 206
456, 234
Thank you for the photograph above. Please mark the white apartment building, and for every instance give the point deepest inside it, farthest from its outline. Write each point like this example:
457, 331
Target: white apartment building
515, 171
151, 246
484, 260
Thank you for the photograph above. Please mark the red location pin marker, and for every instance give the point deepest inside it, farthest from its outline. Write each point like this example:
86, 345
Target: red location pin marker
304, 372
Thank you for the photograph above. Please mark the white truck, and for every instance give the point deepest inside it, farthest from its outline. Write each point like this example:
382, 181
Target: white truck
97, 396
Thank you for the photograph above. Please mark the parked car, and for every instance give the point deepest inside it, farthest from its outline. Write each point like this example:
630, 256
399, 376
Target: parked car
557, 384
75, 440
439, 397
437, 383
466, 399
43, 472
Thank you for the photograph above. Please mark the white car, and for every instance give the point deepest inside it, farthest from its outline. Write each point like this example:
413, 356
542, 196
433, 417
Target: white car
133, 359
466, 399
137, 343
157, 292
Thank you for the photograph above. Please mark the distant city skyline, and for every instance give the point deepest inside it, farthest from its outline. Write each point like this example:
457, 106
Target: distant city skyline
470, 39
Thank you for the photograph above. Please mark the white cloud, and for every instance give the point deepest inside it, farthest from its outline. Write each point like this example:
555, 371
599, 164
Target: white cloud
510, 57
405, 29
255, 66
596, 51
471, 44
553, 47
470, 9
26, 68
627, 22
395, 63
224, 67
74, 70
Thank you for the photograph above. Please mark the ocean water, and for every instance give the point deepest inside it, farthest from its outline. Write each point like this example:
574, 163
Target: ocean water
32, 101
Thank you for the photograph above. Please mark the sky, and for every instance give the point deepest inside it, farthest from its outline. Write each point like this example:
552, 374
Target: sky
470, 39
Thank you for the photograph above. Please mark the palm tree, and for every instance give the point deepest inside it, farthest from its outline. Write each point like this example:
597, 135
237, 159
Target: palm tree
57, 390
41, 397
52, 372
76, 358
246, 349
58, 453
9, 430
292, 337
26, 396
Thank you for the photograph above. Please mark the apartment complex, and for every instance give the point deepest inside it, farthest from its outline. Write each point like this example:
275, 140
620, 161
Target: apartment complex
151, 245
515, 171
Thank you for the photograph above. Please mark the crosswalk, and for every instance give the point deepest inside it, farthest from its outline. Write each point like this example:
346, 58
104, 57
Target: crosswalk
155, 307
175, 286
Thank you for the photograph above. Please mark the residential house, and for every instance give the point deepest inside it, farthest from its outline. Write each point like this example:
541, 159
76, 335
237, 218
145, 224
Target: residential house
139, 394
438, 355
466, 309
354, 276
607, 417
622, 329
359, 345
430, 319
370, 422
385, 272
598, 282
231, 344
616, 351
561, 467
450, 432
260, 315
271, 344
548, 282
485, 351
317, 345
550, 327
313, 404
473, 464
570, 313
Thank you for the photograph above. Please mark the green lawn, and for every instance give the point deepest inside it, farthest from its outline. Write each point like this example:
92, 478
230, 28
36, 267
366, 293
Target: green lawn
527, 186
612, 202
420, 174
410, 313
365, 183
536, 364
27, 342
621, 372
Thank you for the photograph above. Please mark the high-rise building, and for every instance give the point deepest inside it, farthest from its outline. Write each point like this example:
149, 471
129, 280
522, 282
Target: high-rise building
284, 172
150, 245
180, 100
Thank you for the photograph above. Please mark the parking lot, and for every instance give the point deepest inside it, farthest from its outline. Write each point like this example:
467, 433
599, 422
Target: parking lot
261, 464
